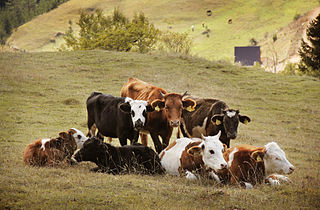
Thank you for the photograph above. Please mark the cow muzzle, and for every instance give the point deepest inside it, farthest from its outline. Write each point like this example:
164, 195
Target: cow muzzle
232, 135
174, 123
138, 124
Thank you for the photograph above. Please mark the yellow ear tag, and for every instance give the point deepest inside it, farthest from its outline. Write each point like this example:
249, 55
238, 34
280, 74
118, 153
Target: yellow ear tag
218, 122
190, 109
245, 122
157, 108
259, 159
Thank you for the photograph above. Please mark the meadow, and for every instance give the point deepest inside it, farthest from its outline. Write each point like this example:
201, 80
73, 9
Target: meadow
43, 94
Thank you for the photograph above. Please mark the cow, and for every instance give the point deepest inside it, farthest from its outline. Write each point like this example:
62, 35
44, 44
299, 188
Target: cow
210, 117
117, 160
249, 165
116, 117
189, 156
168, 108
79, 137
51, 152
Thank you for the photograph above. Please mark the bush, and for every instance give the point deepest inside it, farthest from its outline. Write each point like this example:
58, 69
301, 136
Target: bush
291, 69
175, 42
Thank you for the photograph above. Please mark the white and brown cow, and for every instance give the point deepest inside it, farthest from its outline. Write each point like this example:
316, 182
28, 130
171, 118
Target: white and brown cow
50, 152
249, 165
203, 156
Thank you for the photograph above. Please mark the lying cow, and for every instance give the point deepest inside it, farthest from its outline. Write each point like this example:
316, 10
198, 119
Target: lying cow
203, 156
79, 137
210, 117
116, 117
116, 160
168, 106
249, 165
50, 152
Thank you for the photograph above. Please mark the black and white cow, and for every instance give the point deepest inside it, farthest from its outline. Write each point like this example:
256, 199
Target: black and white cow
211, 116
116, 160
116, 117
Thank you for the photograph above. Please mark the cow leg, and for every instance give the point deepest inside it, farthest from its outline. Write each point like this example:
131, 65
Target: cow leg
100, 136
144, 139
123, 141
166, 138
135, 137
156, 142
92, 129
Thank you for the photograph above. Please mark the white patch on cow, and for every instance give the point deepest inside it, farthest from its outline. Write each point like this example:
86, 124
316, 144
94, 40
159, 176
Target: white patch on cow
214, 176
275, 160
282, 178
138, 107
231, 113
231, 156
248, 185
43, 142
190, 176
79, 137
198, 130
273, 182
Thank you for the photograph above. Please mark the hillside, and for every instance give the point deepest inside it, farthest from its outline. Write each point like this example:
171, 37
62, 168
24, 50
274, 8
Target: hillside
250, 19
44, 93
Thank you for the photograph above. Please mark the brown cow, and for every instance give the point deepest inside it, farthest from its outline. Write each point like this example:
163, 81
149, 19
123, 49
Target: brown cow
168, 112
50, 152
249, 165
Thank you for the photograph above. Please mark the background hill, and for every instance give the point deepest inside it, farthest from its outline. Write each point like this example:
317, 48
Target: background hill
250, 19
44, 93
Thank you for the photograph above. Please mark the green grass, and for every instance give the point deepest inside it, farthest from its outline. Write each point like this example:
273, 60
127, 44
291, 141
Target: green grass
44, 93
251, 19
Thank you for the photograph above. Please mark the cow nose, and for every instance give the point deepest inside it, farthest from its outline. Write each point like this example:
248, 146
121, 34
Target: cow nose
232, 135
138, 124
223, 166
291, 169
175, 123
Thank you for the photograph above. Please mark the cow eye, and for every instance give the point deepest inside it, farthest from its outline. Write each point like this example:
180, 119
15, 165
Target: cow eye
277, 158
132, 113
211, 152
79, 136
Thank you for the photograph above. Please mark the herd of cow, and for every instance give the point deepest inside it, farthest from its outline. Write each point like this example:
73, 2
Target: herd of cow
206, 124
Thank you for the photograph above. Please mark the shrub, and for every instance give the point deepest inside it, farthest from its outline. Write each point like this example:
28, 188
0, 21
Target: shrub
175, 42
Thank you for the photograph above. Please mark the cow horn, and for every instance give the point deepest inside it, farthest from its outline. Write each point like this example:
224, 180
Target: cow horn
161, 93
202, 137
185, 93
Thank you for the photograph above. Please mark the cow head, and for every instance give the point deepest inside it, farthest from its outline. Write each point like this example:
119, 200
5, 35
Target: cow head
211, 150
138, 111
172, 105
275, 160
68, 142
79, 137
229, 119
93, 150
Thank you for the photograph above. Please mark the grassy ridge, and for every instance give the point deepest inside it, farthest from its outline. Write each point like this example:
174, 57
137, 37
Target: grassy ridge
44, 93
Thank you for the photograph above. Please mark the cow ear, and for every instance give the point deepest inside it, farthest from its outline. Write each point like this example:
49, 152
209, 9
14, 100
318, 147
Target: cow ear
63, 135
189, 104
194, 151
158, 104
258, 155
244, 119
225, 147
125, 107
149, 108
217, 119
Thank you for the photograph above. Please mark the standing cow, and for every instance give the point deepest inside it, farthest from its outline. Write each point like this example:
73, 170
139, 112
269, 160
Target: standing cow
168, 112
210, 117
116, 117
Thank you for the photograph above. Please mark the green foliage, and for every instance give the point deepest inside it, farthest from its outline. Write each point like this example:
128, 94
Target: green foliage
176, 42
114, 32
310, 51
14, 13
291, 69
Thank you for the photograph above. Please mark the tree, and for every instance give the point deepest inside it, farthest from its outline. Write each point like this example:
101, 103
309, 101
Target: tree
310, 50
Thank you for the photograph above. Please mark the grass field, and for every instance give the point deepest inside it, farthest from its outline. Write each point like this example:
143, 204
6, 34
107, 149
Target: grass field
44, 93
251, 19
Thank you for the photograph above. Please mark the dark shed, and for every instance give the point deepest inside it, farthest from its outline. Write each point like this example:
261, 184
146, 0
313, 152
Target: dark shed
247, 55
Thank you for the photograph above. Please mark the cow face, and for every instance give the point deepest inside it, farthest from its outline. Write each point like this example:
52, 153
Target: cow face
275, 160
230, 119
172, 105
93, 150
79, 137
211, 150
138, 111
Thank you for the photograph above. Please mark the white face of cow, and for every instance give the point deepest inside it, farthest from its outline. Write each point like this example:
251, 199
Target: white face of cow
212, 152
139, 109
79, 137
275, 160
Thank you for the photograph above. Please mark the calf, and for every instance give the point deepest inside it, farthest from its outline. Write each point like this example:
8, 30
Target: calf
116, 117
210, 117
50, 152
115, 160
249, 165
168, 106
204, 156
79, 137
